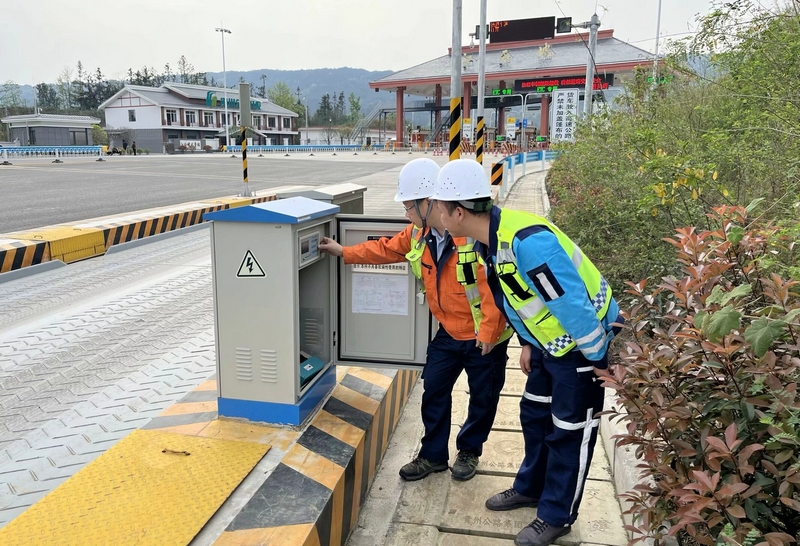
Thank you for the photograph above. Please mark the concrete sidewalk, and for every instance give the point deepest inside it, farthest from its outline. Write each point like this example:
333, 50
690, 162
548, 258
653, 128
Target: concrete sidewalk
439, 511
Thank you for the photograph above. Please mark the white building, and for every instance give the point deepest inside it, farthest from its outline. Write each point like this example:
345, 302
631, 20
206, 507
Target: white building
324, 136
193, 115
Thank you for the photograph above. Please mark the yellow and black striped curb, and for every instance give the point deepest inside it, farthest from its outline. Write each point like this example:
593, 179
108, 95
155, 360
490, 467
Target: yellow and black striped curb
455, 128
73, 241
314, 495
497, 173
133, 228
16, 254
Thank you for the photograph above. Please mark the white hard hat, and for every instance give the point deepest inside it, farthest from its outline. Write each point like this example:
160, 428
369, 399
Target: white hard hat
417, 180
462, 180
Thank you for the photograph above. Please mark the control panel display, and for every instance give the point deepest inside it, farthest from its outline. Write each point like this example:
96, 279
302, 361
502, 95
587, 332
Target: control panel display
309, 248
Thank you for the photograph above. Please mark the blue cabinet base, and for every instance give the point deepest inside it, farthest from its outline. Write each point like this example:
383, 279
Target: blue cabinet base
281, 414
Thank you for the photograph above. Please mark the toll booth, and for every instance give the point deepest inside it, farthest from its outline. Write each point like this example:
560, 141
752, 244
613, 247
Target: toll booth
349, 197
286, 314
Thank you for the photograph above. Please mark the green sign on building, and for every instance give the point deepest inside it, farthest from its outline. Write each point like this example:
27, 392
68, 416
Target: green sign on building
212, 101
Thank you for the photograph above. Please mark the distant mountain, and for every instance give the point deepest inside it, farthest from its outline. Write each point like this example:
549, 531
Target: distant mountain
316, 82
312, 83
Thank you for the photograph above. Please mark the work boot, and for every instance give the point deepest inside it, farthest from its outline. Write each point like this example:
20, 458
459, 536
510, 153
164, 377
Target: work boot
465, 466
510, 500
539, 533
420, 468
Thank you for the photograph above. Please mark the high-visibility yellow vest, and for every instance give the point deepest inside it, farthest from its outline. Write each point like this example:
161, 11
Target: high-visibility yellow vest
467, 276
466, 273
531, 310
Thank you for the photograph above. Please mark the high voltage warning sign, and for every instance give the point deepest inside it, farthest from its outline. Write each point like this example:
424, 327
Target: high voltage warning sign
250, 267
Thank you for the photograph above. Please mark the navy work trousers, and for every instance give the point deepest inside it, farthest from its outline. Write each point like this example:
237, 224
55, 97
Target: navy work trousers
447, 357
558, 412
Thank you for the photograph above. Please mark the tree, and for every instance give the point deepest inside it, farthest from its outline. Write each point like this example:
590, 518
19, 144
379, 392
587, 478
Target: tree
343, 132
281, 95
339, 111
261, 90
123, 133
330, 132
99, 136
144, 76
324, 113
185, 69
11, 95
355, 107
64, 86
104, 89
47, 96
168, 75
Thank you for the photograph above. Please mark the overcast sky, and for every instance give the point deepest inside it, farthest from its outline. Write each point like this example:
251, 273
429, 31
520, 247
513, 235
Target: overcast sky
40, 37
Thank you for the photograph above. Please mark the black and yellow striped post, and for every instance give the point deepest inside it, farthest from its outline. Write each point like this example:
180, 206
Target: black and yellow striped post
497, 173
455, 128
246, 191
479, 141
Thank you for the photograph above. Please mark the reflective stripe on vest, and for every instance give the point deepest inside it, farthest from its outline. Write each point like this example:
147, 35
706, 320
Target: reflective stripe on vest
539, 322
414, 256
467, 276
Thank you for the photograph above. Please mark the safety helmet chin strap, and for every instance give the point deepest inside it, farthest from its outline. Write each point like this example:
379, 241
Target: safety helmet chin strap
424, 218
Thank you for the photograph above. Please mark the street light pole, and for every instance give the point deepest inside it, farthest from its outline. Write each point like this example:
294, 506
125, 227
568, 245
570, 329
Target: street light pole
308, 140
223, 31
455, 85
593, 25
480, 137
658, 35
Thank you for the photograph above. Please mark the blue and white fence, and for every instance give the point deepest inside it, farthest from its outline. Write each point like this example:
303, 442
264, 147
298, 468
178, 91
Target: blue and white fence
49, 151
516, 166
297, 148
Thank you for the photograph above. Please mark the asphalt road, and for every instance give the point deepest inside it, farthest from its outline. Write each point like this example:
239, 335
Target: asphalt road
36, 193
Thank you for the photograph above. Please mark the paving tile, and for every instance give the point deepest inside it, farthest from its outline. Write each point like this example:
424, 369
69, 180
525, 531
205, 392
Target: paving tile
507, 417
404, 534
423, 501
515, 383
502, 453
450, 539
600, 517
465, 512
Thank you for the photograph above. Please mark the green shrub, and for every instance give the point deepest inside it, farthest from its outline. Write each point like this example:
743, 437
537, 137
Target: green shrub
707, 387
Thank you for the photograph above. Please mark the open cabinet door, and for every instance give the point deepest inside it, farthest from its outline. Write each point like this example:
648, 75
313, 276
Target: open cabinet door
382, 317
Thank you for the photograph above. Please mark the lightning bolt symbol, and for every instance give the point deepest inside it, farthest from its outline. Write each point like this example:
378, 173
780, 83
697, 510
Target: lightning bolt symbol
249, 264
